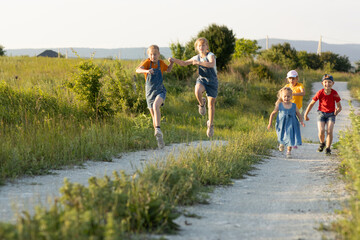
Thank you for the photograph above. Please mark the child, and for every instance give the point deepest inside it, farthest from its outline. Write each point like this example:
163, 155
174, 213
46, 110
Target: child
153, 69
287, 125
207, 80
297, 88
327, 112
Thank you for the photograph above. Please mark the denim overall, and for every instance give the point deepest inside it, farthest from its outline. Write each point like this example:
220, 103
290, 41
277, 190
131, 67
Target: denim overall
207, 77
154, 86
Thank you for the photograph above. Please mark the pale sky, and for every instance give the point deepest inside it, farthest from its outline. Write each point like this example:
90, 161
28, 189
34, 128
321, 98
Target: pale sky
131, 23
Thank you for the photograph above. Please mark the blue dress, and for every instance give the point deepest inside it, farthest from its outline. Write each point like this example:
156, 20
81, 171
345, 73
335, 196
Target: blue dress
288, 126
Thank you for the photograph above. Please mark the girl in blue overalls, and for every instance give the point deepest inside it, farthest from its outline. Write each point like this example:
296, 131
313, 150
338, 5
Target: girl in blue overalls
207, 80
153, 69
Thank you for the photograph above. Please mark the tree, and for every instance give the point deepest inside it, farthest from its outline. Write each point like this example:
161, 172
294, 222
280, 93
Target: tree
2, 52
357, 68
245, 48
221, 43
338, 63
282, 54
309, 60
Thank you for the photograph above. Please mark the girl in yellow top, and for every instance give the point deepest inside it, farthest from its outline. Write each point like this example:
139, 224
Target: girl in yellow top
296, 87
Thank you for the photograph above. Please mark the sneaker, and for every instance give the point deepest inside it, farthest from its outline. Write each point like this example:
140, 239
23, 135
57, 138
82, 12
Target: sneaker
321, 147
159, 138
281, 147
202, 109
295, 147
210, 129
328, 151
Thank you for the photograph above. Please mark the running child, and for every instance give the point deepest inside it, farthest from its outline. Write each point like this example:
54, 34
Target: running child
287, 124
327, 112
207, 80
297, 88
153, 69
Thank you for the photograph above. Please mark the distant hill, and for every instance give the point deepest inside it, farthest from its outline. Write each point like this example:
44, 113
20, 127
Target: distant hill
124, 53
350, 50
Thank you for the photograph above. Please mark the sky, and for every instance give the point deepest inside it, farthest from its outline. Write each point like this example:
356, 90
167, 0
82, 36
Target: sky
140, 23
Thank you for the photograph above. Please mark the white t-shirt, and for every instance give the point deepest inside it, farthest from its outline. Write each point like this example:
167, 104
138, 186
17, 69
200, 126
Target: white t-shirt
205, 59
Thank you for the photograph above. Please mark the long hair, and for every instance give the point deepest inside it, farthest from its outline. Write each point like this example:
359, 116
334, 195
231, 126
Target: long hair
279, 99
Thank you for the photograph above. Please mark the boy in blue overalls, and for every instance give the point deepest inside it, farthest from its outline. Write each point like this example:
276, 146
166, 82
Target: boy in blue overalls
153, 69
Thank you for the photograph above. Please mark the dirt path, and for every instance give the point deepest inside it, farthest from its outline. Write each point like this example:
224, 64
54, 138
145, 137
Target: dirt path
284, 199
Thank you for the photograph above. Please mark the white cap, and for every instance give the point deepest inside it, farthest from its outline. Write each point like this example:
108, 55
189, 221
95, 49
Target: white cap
292, 73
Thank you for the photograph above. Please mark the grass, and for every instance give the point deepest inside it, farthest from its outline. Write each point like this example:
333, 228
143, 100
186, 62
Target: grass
349, 150
45, 126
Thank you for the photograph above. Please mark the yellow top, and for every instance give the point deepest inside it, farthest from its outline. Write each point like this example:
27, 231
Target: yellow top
298, 88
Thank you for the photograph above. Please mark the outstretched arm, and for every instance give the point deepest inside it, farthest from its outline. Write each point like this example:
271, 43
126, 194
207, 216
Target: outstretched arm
171, 60
182, 63
308, 109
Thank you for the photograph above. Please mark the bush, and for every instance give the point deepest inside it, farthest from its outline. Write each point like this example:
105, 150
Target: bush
123, 93
245, 48
87, 85
259, 73
281, 54
181, 73
2, 52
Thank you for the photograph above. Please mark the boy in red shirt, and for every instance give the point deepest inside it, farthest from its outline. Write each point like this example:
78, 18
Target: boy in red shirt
327, 112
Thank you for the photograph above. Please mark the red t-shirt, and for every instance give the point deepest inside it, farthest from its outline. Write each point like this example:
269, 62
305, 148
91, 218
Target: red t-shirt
327, 102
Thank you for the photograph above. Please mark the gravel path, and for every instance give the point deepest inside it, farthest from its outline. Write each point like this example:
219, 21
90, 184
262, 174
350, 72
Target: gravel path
283, 199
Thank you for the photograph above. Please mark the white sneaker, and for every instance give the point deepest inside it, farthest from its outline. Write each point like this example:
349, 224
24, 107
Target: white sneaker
281, 147
202, 109
159, 138
210, 129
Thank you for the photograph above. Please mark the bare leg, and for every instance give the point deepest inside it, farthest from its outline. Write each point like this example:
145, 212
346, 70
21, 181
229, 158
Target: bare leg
211, 106
199, 90
329, 132
155, 111
321, 133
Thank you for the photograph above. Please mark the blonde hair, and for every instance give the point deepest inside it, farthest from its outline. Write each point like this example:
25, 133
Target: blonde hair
201, 40
279, 100
153, 47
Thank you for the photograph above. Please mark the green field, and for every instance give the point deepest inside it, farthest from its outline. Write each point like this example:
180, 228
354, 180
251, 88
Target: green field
47, 123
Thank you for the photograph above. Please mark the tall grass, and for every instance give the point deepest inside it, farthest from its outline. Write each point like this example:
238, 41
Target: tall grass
118, 207
349, 147
44, 125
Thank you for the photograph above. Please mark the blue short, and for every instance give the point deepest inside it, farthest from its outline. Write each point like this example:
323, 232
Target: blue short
211, 87
150, 100
325, 117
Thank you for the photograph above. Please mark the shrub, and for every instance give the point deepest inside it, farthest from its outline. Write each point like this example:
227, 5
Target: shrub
87, 85
123, 92
245, 48
180, 73
282, 54
259, 73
